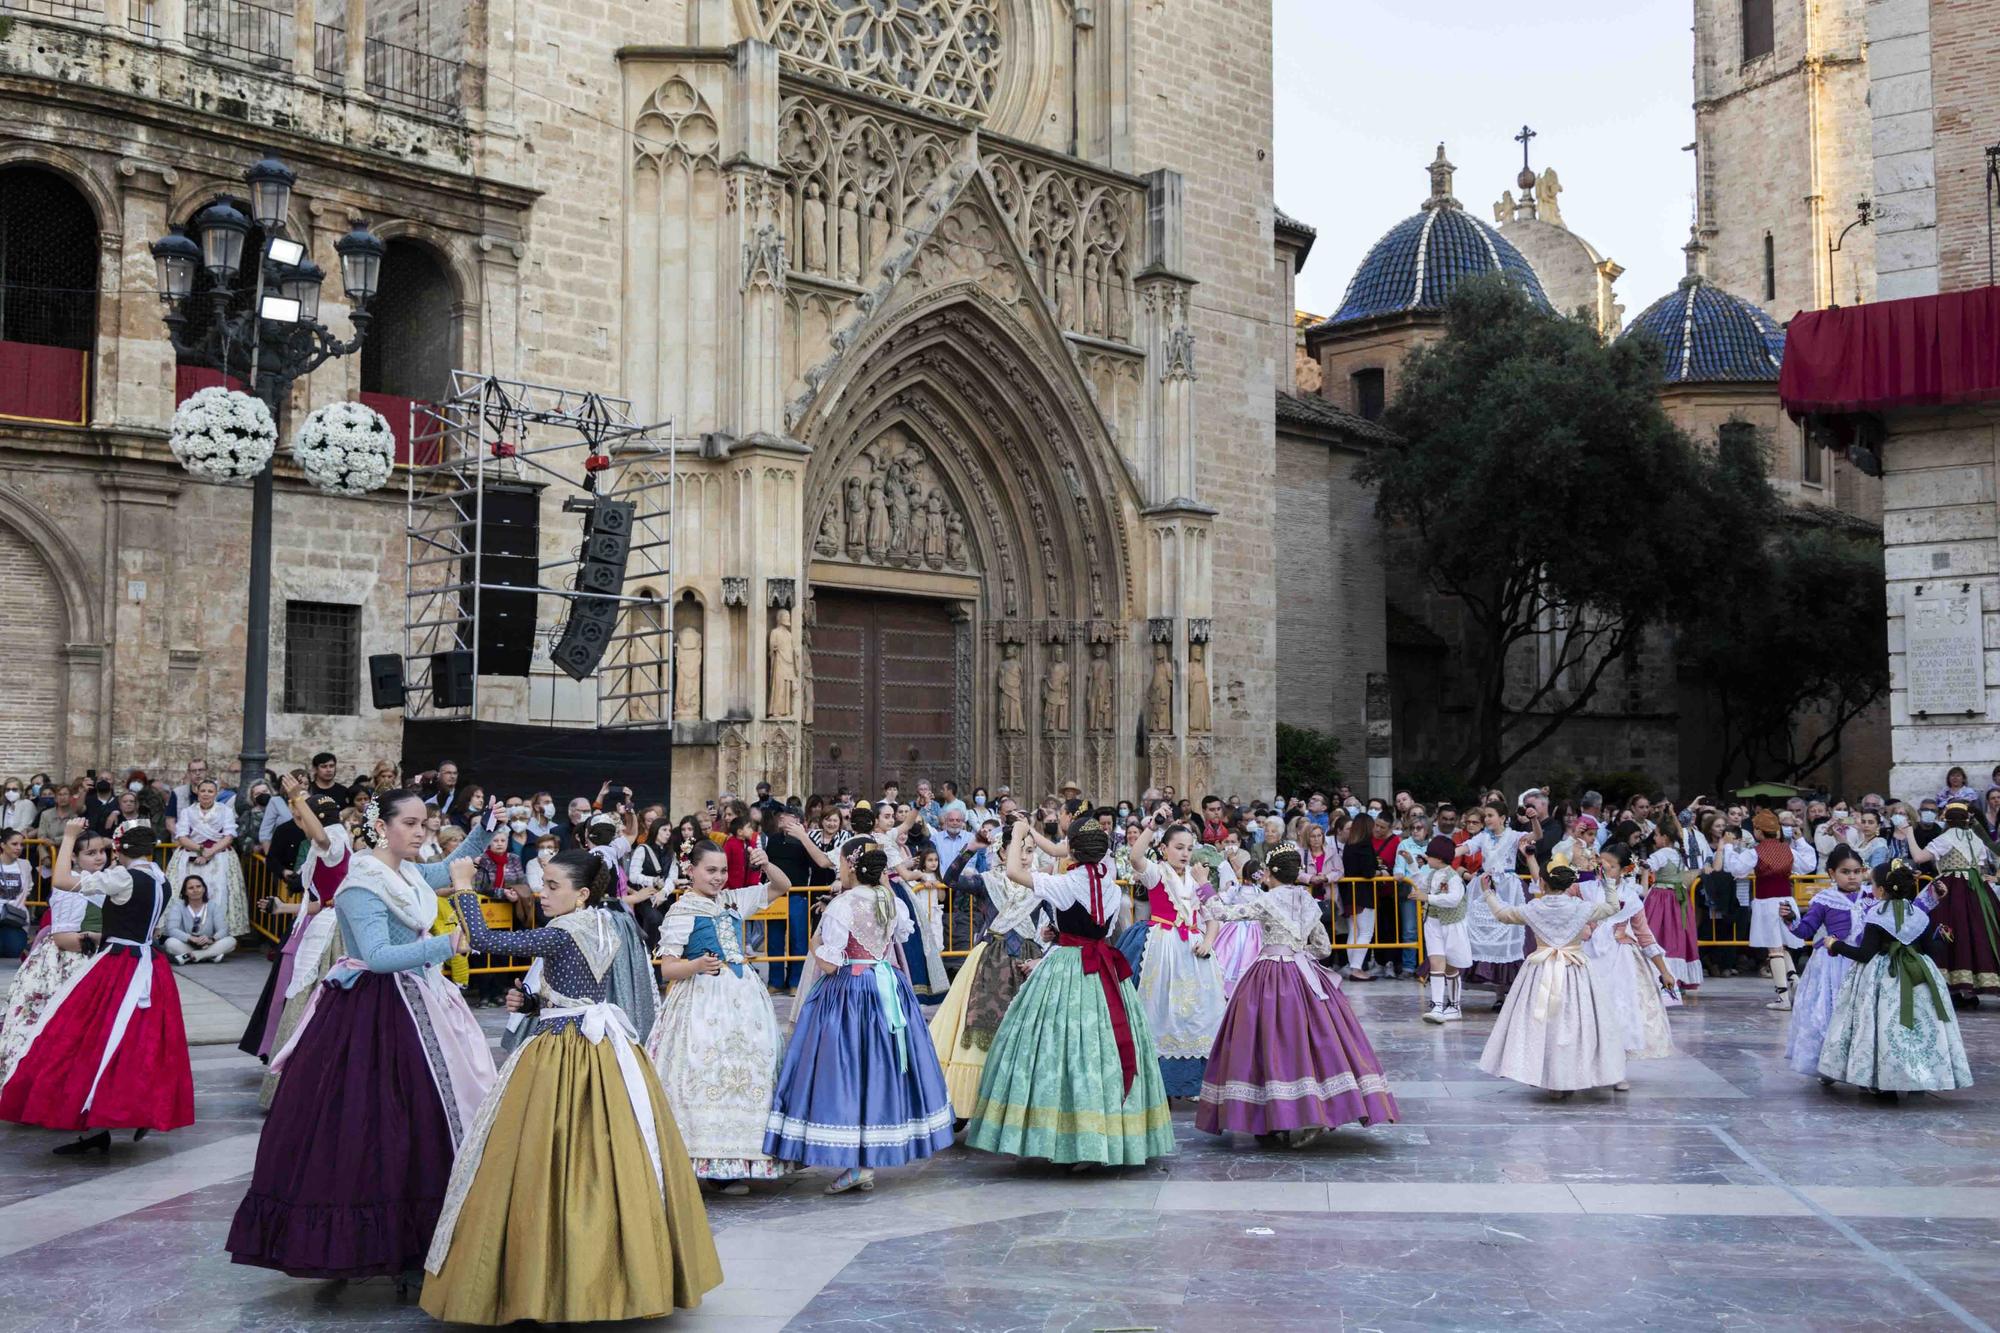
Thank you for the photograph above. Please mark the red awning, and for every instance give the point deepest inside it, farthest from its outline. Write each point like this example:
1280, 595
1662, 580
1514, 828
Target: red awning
1926, 351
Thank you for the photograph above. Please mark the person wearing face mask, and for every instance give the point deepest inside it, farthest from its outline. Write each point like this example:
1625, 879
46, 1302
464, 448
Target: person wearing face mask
17, 808
541, 813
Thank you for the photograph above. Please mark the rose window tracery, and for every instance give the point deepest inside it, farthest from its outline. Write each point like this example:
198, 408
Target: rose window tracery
942, 55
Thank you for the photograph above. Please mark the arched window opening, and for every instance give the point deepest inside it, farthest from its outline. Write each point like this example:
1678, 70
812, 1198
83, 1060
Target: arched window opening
411, 347
48, 296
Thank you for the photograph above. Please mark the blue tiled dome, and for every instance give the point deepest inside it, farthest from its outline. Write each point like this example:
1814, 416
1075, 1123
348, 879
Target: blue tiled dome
1707, 336
1419, 261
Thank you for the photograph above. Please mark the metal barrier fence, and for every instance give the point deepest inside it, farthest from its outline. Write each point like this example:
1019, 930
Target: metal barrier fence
955, 916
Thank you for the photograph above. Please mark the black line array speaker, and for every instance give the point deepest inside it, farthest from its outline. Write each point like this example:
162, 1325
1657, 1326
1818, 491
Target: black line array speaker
593, 620
510, 550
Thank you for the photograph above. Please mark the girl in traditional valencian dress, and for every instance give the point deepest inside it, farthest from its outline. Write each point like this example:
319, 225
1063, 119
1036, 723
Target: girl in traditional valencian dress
1179, 986
860, 1086
717, 1043
59, 953
204, 841
1893, 1029
1497, 942
1071, 1075
382, 1080
965, 1024
1447, 943
1560, 1028
1239, 941
1835, 912
1290, 1058
1967, 941
572, 1198
1625, 951
303, 960
1669, 910
110, 1051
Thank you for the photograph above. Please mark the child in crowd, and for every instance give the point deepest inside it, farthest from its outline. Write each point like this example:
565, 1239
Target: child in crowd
1447, 943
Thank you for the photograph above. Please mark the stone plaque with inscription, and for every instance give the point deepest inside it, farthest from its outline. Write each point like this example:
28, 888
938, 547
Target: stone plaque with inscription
1944, 655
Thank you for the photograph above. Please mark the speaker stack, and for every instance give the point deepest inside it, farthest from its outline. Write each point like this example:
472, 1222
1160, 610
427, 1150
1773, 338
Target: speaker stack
509, 549
600, 577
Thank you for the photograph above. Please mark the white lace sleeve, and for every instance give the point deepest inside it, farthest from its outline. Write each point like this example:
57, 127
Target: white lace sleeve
674, 933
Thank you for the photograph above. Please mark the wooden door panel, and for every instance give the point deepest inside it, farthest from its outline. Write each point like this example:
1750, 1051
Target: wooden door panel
887, 667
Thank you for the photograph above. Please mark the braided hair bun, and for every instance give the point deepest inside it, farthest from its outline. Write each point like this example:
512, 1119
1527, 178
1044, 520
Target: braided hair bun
1285, 864
136, 840
1088, 842
1900, 881
1561, 879
587, 871
870, 862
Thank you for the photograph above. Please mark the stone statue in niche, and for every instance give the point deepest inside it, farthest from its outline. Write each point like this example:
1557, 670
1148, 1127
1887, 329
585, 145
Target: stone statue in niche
687, 674
878, 519
954, 540
1200, 702
1093, 293
899, 517
934, 529
855, 497
829, 540
850, 237
1066, 289
1055, 693
781, 685
1012, 719
813, 246
878, 233
1160, 692
1098, 695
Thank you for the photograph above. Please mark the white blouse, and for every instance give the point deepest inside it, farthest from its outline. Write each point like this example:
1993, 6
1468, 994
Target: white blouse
210, 825
851, 915
1072, 889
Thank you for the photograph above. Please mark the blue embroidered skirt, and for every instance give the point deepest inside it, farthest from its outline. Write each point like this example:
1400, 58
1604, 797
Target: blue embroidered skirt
855, 1088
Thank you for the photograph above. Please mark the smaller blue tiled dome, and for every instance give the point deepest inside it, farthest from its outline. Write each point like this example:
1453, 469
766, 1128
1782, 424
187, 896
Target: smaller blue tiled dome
1708, 336
1418, 262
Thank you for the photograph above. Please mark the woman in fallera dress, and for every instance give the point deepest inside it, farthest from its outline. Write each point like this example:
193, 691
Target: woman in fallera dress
1072, 1074
987, 982
204, 843
571, 1199
1179, 986
110, 1051
1290, 1058
60, 952
860, 1087
328, 847
382, 1080
717, 1043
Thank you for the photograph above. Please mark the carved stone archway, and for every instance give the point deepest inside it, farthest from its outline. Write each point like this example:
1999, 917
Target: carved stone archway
965, 398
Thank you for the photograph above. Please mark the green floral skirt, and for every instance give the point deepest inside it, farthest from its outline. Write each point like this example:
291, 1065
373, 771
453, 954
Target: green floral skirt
1053, 1087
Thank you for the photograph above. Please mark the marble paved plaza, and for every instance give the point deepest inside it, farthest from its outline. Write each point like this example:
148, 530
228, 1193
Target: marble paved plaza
1722, 1192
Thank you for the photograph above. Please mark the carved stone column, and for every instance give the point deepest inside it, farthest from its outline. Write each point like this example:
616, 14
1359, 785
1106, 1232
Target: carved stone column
1167, 336
755, 374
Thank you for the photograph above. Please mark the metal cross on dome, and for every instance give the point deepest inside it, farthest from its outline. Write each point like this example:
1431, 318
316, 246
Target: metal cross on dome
1522, 139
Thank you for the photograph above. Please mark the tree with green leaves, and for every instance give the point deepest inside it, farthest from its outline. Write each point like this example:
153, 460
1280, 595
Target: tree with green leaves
1549, 495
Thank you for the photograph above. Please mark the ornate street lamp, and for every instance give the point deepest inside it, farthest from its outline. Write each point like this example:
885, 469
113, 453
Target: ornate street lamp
267, 343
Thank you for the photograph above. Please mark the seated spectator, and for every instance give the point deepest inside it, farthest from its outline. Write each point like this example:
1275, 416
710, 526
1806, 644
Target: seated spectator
16, 879
194, 926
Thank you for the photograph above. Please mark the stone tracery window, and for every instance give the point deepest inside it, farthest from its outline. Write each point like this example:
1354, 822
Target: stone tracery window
943, 55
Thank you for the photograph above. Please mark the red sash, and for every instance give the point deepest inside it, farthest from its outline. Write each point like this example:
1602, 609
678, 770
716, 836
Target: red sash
1110, 968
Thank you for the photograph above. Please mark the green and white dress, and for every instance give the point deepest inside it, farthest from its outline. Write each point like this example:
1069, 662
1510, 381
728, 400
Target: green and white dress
1073, 1074
1893, 1029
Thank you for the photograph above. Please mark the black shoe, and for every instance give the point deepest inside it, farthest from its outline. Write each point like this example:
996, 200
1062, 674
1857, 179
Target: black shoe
98, 1142
138, 1134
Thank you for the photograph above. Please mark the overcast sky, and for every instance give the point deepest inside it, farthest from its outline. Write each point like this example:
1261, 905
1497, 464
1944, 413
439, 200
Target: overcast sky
1367, 88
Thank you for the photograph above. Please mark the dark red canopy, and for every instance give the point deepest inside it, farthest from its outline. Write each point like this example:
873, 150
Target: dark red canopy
1926, 351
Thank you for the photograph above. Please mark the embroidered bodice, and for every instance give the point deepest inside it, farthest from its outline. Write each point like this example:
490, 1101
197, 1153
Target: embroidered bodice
850, 931
698, 926
576, 949
1557, 919
1957, 851
1290, 918
210, 825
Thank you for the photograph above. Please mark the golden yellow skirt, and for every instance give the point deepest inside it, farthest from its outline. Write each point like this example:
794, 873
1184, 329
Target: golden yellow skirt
563, 1220
962, 1064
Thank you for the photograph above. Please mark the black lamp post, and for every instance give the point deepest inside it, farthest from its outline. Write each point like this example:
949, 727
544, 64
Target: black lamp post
269, 344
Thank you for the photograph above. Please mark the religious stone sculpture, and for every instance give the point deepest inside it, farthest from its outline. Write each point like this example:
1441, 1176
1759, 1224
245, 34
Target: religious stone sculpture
1099, 700
1055, 693
1199, 702
687, 674
814, 225
954, 540
878, 233
934, 525
896, 512
856, 500
1160, 692
1093, 293
850, 237
878, 519
1012, 718
782, 685
828, 542
1503, 207
1547, 187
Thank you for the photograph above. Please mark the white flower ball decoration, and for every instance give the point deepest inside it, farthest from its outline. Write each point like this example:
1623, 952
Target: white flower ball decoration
346, 449
223, 435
